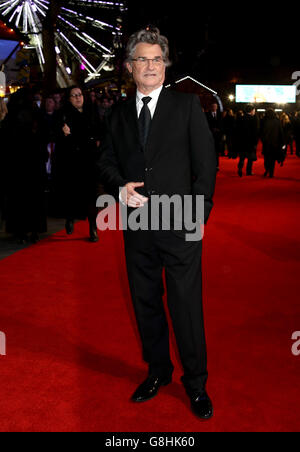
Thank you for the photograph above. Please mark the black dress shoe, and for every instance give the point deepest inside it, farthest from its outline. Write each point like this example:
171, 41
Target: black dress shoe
149, 389
69, 227
202, 406
34, 238
22, 239
93, 235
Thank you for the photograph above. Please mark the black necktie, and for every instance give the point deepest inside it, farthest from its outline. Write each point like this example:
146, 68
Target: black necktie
145, 121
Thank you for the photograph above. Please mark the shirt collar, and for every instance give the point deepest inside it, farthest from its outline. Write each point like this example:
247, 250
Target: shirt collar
154, 94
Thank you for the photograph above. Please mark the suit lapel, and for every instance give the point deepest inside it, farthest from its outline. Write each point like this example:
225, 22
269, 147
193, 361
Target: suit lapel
132, 119
159, 123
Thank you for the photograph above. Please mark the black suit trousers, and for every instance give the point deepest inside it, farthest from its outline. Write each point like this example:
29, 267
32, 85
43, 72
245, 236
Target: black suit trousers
148, 253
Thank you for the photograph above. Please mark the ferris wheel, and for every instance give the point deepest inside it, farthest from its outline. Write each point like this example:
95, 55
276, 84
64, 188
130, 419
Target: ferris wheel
88, 31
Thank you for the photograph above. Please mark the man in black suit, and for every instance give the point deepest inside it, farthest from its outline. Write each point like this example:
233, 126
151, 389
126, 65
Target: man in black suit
159, 143
215, 122
248, 131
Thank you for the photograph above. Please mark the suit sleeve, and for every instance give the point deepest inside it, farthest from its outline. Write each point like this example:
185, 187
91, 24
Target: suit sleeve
204, 163
108, 164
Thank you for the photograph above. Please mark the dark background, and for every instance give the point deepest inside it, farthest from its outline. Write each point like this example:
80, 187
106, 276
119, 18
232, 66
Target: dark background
247, 43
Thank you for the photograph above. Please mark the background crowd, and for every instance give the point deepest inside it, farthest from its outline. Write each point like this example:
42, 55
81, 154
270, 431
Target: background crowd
237, 136
50, 144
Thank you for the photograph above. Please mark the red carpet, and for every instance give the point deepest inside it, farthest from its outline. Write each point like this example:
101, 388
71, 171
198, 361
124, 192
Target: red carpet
73, 358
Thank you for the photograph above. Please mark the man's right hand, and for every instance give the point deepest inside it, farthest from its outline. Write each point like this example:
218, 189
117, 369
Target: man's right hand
131, 198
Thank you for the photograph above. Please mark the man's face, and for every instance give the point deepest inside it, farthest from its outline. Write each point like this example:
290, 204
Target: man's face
148, 75
214, 108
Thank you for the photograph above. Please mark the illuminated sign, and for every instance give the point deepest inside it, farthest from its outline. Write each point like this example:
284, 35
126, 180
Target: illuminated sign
274, 94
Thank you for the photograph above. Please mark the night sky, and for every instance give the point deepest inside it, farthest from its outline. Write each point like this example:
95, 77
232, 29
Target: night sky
244, 44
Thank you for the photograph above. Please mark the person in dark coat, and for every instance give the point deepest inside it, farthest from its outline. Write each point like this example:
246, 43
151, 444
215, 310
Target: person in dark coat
296, 129
287, 128
76, 153
237, 138
159, 143
273, 142
25, 175
3, 114
214, 119
229, 123
49, 128
248, 135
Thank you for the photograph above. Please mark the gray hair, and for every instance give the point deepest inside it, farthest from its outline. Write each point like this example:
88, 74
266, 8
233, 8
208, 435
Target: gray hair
148, 36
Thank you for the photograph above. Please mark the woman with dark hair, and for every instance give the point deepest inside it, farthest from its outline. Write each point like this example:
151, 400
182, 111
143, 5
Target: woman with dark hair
273, 142
77, 150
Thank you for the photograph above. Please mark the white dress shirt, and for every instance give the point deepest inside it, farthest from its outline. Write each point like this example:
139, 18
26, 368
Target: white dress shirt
152, 107
152, 104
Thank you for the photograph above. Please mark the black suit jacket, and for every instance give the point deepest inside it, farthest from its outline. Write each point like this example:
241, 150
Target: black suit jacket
179, 157
215, 123
248, 133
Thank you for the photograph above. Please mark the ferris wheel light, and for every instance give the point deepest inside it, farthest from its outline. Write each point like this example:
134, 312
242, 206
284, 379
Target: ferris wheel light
76, 32
68, 23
